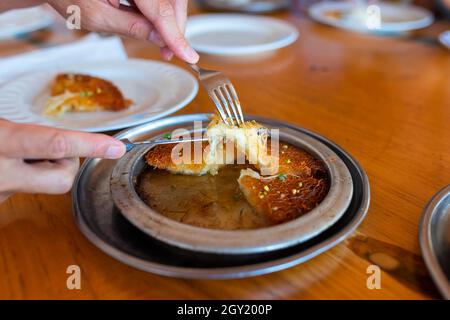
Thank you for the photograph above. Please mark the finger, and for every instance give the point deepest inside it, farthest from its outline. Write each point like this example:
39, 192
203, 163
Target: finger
44, 177
6, 182
40, 142
51, 164
51, 177
114, 3
162, 15
126, 23
154, 35
181, 7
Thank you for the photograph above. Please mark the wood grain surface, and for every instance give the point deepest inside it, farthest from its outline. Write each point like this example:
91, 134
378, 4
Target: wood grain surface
385, 100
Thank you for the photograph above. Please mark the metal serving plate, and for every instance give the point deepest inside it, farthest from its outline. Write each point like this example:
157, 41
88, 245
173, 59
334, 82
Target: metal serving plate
336, 202
435, 239
105, 226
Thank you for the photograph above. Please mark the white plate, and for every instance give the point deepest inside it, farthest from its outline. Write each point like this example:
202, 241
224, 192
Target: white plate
15, 22
395, 18
444, 38
157, 89
238, 34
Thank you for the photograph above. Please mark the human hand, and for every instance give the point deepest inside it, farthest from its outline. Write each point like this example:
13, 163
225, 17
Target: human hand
162, 22
38, 159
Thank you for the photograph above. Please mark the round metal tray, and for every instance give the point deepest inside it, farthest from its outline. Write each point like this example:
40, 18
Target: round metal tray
435, 239
125, 197
104, 225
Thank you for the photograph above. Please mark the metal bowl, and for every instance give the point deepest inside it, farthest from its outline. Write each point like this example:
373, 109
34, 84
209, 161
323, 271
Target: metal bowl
123, 182
434, 239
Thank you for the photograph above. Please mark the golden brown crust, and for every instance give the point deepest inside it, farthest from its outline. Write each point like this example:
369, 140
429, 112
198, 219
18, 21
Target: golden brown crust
160, 157
293, 160
302, 183
92, 93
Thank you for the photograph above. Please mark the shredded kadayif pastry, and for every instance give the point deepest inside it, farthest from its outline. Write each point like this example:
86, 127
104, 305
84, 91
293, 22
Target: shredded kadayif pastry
250, 139
298, 185
83, 93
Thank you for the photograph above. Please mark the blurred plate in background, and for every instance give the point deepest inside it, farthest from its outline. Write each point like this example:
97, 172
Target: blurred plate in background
20, 21
238, 34
444, 39
395, 18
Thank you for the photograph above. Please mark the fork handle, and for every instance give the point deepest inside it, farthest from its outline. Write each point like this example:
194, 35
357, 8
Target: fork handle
131, 145
194, 67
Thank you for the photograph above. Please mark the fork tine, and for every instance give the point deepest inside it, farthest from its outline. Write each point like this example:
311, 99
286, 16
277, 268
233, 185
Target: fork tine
236, 101
230, 101
224, 102
218, 106
220, 89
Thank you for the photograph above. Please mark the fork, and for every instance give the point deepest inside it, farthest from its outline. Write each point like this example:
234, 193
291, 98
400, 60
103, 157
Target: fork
221, 91
154, 142
217, 85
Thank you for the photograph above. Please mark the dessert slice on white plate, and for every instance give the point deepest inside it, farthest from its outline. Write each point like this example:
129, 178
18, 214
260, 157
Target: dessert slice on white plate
84, 93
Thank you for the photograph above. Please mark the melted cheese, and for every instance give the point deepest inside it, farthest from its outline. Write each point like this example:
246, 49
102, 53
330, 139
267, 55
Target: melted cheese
250, 138
58, 104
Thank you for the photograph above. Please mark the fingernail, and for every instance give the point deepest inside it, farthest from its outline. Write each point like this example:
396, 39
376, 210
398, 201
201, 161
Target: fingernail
190, 55
114, 151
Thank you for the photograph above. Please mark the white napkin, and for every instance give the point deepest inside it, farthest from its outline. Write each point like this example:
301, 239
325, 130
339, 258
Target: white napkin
88, 49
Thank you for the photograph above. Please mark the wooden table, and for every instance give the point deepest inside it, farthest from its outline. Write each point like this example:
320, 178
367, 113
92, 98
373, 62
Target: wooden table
385, 100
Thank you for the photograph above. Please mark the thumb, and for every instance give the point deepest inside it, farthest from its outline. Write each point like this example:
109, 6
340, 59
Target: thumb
41, 142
